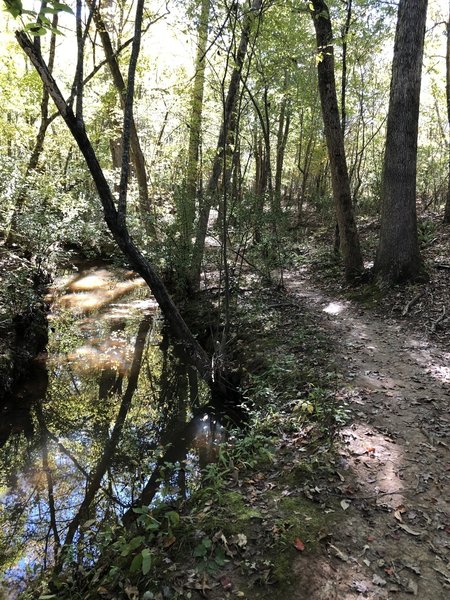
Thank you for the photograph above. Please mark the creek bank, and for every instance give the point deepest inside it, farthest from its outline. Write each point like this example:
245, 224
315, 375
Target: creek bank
23, 336
238, 533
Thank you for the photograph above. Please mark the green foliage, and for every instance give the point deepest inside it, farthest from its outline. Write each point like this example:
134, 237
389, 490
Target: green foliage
36, 22
427, 232
210, 555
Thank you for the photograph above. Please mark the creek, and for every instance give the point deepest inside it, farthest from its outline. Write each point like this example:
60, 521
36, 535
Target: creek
109, 418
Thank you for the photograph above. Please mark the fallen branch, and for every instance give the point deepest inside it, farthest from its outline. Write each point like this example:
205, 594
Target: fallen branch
442, 317
442, 266
411, 303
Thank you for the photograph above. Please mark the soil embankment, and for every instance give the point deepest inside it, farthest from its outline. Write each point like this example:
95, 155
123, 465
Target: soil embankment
23, 336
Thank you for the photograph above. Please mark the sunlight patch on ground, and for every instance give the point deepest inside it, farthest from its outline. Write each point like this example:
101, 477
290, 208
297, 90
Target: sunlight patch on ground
334, 308
436, 366
377, 463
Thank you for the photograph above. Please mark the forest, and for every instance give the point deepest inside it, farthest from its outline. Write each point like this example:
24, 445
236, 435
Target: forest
224, 299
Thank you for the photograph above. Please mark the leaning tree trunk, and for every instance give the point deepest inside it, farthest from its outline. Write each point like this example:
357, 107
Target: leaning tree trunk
115, 221
447, 89
349, 240
398, 256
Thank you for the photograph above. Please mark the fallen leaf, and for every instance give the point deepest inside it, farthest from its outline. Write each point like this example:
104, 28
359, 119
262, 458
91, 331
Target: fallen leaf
399, 511
360, 587
408, 529
370, 538
169, 541
226, 583
377, 580
339, 553
412, 588
300, 546
241, 540
345, 504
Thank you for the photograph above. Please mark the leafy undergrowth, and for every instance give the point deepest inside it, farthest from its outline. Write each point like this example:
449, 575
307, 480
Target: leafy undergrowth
22, 315
259, 506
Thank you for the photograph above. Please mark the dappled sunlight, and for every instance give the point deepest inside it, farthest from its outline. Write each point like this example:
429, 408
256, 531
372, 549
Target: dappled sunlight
435, 364
98, 297
111, 354
377, 462
101, 279
334, 308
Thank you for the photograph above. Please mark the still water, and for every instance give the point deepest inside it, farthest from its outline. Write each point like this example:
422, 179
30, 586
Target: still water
98, 424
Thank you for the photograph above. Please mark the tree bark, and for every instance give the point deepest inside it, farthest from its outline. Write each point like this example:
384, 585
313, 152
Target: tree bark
345, 32
284, 123
187, 207
398, 257
447, 90
212, 187
136, 149
349, 240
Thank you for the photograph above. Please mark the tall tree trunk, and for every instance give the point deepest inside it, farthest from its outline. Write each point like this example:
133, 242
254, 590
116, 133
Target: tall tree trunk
136, 149
345, 32
447, 89
187, 207
398, 256
349, 240
284, 122
228, 110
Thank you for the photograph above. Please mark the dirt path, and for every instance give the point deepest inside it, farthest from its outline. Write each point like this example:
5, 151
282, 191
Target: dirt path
394, 541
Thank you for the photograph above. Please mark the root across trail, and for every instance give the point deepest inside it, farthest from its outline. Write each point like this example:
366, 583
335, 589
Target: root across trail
393, 538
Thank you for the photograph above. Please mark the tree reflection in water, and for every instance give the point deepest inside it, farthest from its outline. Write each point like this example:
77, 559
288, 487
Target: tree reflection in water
102, 423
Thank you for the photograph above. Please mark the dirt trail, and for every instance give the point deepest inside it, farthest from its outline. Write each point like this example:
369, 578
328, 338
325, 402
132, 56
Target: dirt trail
394, 541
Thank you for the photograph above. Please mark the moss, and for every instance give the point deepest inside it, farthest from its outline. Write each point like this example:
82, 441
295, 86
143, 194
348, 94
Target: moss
368, 295
231, 515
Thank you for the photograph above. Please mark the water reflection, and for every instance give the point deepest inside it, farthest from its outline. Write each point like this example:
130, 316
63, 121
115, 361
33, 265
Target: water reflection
104, 418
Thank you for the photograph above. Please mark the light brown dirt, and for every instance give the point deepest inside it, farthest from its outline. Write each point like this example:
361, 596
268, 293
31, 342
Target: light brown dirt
394, 539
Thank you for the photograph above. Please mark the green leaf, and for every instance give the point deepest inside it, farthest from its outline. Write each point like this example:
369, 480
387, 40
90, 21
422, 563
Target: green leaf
173, 517
136, 563
60, 7
200, 551
35, 29
136, 542
146, 561
14, 7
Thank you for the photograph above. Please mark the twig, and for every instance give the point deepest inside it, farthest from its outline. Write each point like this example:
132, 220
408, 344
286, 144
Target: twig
442, 317
412, 302
371, 497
